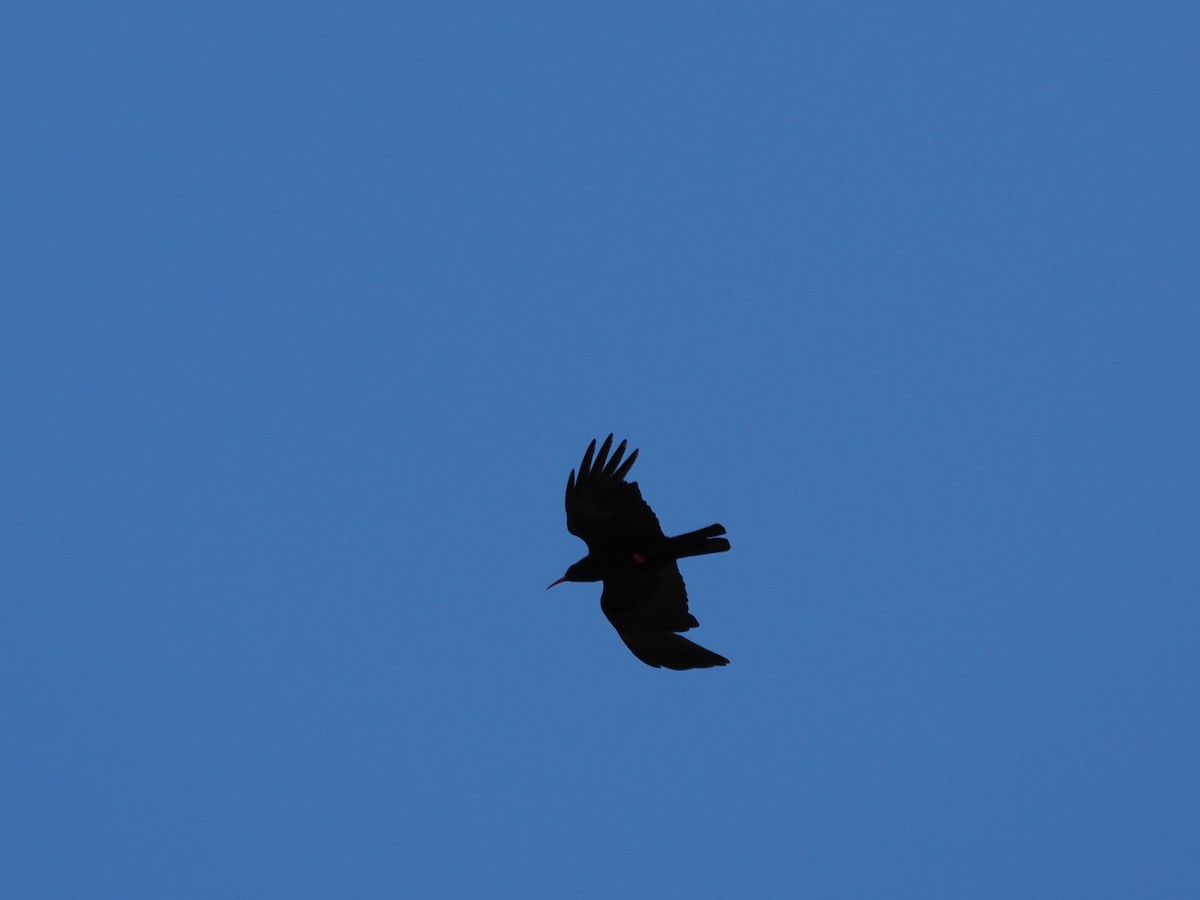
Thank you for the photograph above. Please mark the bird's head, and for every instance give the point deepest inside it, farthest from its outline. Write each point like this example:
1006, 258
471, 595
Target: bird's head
584, 570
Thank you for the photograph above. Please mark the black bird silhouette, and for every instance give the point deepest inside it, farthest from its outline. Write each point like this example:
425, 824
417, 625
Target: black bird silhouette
644, 597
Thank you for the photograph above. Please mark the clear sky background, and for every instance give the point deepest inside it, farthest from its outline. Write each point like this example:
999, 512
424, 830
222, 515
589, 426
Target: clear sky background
307, 310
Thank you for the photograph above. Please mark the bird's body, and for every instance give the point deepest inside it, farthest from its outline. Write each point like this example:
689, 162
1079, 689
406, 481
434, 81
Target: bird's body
644, 596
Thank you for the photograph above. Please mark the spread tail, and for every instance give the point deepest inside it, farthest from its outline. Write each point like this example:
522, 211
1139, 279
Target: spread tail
698, 543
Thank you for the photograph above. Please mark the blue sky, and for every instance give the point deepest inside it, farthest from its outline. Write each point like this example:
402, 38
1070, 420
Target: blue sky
309, 310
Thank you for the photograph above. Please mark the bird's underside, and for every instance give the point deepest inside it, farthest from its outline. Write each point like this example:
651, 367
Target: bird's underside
644, 595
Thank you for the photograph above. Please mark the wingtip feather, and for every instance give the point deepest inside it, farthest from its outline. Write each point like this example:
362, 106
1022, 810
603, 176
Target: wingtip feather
614, 461
602, 455
585, 467
620, 474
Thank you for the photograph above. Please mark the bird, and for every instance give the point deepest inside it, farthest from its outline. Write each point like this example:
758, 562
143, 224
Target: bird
644, 597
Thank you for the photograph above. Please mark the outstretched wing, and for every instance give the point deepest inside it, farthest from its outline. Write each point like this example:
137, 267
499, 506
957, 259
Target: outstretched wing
601, 507
646, 609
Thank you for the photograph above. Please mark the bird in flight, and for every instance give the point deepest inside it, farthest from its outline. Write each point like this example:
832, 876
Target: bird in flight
644, 597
